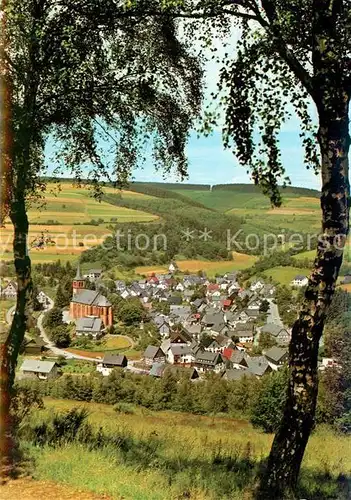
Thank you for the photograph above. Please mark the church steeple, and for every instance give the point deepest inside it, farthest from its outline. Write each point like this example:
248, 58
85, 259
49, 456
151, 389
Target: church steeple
78, 275
78, 281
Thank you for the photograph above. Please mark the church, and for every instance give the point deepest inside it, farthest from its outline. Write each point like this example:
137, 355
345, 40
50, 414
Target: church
89, 302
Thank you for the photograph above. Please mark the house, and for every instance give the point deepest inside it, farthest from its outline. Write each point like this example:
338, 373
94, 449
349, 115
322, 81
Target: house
179, 313
268, 291
160, 369
254, 305
164, 329
9, 291
33, 346
180, 354
205, 361
154, 354
328, 363
281, 335
173, 268
174, 300
153, 280
192, 329
238, 360
258, 365
89, 326
111, 361
244, 330
276, 357
180, 337
42, 370
93, 274
299, 280
120, 285
257, 285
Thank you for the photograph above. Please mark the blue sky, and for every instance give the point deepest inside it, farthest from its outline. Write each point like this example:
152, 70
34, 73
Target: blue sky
210, 163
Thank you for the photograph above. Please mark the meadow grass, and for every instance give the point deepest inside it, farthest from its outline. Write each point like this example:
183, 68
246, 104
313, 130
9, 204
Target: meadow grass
173, 455
284, 274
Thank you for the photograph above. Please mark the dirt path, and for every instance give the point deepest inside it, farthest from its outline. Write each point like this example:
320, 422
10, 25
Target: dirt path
28, 489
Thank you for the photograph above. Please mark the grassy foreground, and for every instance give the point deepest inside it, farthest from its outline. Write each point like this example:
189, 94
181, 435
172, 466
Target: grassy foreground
173, 455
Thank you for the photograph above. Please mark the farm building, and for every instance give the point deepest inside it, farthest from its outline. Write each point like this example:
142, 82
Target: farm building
42, 370
111, 361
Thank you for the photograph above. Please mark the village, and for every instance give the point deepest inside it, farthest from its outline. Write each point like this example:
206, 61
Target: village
205, 325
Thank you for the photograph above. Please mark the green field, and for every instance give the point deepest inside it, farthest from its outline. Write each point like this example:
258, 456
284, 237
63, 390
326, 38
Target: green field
211, 458
284, 274
299, 212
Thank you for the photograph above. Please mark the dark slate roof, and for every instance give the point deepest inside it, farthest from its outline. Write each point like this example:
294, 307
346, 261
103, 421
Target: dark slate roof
238, 357
151, 351
174, 300
237, 374
257, 365
276, 353
114, 359
178, 350
208, 358
157, 369
89, 324
271, 328
91, 297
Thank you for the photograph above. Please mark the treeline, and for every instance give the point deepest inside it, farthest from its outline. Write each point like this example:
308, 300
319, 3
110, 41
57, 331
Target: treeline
160, 190
259, 400
335, 382
251, 188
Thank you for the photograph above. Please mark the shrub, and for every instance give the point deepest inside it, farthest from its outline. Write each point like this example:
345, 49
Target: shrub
267, 410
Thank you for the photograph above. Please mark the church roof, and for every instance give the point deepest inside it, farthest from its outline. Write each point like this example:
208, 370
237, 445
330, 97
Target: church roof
91, 297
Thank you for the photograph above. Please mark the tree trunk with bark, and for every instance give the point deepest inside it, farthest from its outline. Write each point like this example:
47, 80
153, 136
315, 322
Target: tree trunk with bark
10, 348
280, 476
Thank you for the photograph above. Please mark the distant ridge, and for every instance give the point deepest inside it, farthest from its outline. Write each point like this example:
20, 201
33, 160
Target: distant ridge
147, 187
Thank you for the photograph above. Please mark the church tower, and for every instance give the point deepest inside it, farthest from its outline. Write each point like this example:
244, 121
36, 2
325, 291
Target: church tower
78, 281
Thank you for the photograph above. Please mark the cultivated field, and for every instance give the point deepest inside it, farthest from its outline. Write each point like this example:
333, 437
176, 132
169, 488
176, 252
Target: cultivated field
240, 261
297, 213
63, 222
208, 460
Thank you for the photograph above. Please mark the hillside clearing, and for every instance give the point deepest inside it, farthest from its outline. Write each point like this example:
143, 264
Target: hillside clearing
284, 274
240, 261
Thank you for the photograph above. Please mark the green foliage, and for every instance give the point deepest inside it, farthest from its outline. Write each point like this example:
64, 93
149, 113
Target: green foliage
60, 335
266, 340
267, 411
53, 318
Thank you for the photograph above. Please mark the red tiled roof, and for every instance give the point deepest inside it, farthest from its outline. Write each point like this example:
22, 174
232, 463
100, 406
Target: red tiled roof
227, 352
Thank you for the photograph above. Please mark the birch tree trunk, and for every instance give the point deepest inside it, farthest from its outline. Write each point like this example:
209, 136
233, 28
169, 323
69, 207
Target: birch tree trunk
10, 349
